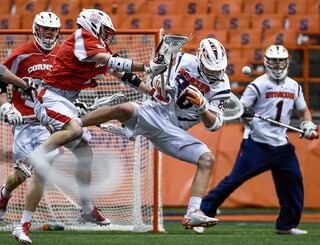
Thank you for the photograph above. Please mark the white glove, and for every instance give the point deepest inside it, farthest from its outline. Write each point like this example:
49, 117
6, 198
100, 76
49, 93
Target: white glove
155, 93
309, 130
196, 97
155, 67
11, 114
30, 92
81, 108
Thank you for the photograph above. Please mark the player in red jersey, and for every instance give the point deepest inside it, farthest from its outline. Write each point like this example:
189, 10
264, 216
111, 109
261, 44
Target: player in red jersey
32, 59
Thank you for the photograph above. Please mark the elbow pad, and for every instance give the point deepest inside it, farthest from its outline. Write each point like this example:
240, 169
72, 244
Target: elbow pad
131, 79
120, 64
217, 124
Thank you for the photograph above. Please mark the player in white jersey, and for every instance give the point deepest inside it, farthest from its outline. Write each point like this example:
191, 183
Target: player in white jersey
199, 88
266, 146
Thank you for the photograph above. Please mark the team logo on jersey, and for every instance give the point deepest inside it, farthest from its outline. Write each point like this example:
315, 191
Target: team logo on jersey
39, 67
279, 94
198, 84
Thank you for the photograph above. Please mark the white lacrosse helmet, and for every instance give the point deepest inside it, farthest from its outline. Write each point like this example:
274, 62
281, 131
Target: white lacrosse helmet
212, 58
47, 37
98, 23
276, 61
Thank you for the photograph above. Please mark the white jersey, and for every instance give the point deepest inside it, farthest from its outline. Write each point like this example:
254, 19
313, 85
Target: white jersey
182, 112
275, 101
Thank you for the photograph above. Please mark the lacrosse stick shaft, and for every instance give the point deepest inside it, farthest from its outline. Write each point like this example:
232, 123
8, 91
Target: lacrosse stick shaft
169, 68
278, 123
162, 83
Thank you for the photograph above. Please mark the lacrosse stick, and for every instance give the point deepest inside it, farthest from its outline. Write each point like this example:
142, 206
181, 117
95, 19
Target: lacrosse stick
168, 48
234, 109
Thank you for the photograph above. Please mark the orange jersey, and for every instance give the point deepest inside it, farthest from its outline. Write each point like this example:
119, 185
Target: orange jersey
73, 68
29, 60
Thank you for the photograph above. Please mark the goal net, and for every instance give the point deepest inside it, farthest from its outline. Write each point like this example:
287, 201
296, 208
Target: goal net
125, 174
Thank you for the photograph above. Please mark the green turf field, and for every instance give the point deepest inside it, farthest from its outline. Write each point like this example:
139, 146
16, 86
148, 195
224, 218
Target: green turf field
225, 233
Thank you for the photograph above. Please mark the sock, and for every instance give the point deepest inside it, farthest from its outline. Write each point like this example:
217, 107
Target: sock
26, 217
194, 204
86, 205
5, 192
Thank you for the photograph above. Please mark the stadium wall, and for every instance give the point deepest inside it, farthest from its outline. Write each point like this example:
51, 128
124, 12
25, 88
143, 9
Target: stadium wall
258, 191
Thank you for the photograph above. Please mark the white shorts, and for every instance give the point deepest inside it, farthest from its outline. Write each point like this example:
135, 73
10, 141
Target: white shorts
54, 110
152, 121
26, 138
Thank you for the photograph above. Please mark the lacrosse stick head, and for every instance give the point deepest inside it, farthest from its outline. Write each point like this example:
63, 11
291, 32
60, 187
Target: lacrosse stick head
106, 101
233, 108
172, 45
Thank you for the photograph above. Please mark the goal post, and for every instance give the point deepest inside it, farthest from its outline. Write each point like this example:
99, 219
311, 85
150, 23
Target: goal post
125, 174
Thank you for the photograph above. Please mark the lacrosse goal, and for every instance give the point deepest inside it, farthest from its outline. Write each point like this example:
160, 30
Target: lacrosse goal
125, 174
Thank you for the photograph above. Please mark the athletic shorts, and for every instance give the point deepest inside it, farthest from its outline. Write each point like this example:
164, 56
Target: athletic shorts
54, 110
26, 138
152, 121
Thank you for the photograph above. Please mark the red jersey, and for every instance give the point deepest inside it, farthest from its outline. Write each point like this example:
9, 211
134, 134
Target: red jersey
29, 60
73, 68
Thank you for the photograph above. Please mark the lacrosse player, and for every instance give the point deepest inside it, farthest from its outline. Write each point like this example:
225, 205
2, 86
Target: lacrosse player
266, 146
197, 93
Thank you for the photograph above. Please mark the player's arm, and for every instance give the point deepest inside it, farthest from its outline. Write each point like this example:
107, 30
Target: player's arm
8, 77
211, 120
119, 64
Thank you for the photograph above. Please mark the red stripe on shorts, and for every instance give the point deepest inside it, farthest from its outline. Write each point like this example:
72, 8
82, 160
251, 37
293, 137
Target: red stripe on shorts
40, 95
57, 116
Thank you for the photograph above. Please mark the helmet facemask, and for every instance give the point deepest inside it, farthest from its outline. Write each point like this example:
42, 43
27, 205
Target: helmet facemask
212, 60
106, 35
276, 62
46, 28
46, 36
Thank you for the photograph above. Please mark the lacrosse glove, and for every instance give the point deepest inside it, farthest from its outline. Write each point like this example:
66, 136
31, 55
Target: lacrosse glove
309, 130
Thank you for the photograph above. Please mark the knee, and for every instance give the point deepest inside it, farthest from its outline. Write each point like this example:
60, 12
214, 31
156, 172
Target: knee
19, 177
206, 161
124, 111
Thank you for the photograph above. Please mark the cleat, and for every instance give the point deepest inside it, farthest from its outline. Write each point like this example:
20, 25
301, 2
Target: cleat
93, 217
23, 165
198, 230
3, 204
198, 219
293, 231
21, 233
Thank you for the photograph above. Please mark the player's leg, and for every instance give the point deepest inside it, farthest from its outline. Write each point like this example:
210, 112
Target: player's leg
252, 160
32, 199
194, 217
14, 179
122, 112
288, 181
88, 212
